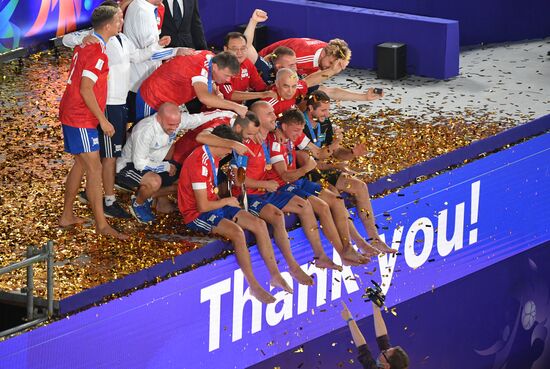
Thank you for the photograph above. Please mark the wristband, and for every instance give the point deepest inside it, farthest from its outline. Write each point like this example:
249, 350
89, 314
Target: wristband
349, 320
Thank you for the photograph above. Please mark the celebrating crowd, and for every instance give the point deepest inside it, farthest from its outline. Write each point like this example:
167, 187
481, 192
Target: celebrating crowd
264, 115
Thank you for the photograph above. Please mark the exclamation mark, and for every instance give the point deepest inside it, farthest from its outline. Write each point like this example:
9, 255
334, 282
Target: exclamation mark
474, 211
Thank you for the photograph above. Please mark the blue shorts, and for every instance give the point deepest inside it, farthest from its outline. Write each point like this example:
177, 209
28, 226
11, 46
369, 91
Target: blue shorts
303, 188
143, 110
209, 220
80, 140
111, 147
278, 199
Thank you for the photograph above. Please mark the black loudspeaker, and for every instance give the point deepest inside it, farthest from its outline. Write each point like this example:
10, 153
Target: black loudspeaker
260, 36
391, 60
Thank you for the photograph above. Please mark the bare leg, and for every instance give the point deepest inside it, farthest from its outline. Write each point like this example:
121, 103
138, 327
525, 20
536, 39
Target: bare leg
304, 210
72, 185
258, 227
340, 218
108, 172
93, 170
164, 204
366, 247
276, 218
360, 191
233, 232
149, 185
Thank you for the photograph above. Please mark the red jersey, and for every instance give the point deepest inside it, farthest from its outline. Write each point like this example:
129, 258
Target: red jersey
91, 62
256, 167
173, 81
248, 79
188, 142
280, 152
280, 105
307, 51
196, 174
160, 16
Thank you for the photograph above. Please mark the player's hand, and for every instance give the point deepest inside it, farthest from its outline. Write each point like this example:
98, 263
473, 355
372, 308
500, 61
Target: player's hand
165, 41
107, 127
270, 186
346, 314
241, 110
232, 201
359, 150
269, 94
182, 51
240, 148
371, 96
89, 40
259, 16
172, 171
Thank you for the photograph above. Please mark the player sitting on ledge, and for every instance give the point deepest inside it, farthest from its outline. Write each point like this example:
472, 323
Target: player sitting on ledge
202, 210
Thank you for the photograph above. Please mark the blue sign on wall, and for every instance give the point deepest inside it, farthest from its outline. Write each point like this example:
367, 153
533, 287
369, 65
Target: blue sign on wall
444, 228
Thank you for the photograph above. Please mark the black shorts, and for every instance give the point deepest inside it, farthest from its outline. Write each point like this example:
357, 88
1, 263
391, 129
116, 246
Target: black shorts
331, 176
130, 177
111, 147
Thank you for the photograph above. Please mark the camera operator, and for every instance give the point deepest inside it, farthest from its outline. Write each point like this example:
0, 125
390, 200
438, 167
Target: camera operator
390, 357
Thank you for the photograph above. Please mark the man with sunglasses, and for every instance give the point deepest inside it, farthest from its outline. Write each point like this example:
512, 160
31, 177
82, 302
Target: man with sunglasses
390, 357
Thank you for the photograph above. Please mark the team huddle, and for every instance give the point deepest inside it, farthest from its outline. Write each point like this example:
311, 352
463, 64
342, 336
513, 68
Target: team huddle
264, 115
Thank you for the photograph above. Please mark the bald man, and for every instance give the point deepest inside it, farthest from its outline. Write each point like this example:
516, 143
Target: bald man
288, 88
145, 164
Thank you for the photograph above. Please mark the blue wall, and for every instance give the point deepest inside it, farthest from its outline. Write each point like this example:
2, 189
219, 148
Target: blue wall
481, 21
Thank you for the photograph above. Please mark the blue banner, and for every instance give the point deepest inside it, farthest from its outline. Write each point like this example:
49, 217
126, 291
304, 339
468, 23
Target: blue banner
444, 228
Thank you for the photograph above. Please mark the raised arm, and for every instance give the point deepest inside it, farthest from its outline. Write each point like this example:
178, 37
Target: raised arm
358, 337
258, 16
379, 324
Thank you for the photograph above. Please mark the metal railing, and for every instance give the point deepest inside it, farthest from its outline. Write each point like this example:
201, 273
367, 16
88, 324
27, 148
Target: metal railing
34, 255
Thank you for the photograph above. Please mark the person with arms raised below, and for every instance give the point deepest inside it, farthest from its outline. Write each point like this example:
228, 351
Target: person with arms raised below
390, 357
81, 110
204, 211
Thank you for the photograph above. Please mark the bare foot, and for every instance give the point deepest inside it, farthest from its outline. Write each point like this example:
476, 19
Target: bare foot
279, 281
65, 222
301, 276
261, 295
325, 262
352, 257
110, 231
368, 250
379, 245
